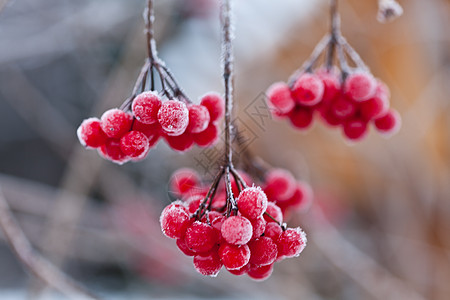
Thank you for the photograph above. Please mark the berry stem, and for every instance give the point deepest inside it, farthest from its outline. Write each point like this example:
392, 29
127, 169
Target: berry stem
149, 17
211, 192
353, 54
335, 25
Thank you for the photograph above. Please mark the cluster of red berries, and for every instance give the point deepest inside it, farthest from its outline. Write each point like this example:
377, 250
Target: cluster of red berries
352, 104
120, 136
249, 241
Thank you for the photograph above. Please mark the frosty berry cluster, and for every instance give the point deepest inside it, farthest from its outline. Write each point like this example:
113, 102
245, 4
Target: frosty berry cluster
122, 136
351, 104
247, 241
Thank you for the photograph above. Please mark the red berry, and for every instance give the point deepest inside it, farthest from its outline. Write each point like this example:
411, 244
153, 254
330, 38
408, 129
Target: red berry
240, 271
215, 105
181, 142
174, 220
280, 184
234, 257
308, 89
343, 108
329, 117
260, 273
252, 202
360, 86
279, 98
291, 242
390, 123
198, 118
211, 216
193, 202
273, 231
152, 131
275, 212
218, 222
134, 144
181, 243
301, 117
208, 264
201, 237
208, 136
183, 180
173, 116
376, 106
111, 151
146, 106
91, 134
301, 199
332, 85
219, 201
259, 225
237, 230
264, 251
355, 129
115, 123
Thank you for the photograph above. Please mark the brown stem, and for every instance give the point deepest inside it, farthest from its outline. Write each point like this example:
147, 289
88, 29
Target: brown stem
353, 54
211, 192
335, 30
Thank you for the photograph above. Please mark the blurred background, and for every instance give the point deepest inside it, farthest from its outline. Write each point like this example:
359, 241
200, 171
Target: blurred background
380, 224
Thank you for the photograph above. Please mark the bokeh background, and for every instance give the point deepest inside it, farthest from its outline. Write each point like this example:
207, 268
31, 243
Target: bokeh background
380, 224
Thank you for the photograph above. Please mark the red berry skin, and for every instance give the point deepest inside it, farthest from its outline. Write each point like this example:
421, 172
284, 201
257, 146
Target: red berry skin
111, 151
234, 257
116, 123
208, 264
260, 273
301, 117
174, 220
252, 202
376, 106
237, 230
280, 184
201, 237
219, 201
273, 231
207, 137
134, 144
279, 98
275, 212
183, 180
308, 89
218, 222
180, 143
259, 225
240, 271
329, 117
301, 200
215, 105
389, 124
331, 83
360, 86
181, 243
355, 129
145, 107
198, 118
90, 133
263, 251
291, 242
173, 116
343, 108
152, 131
193, 202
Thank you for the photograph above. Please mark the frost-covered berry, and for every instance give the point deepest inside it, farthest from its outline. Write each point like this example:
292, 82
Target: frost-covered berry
198, 118
181, 243
115, 123
237, 230
275, 212
181, 142
173, 116
233, 256
146, 106
280, 184
208, 264
193, 202
207, 137
376, 106
174, 220
279, 98
390, 123
301, 117
360, 86
291, 242
264, 251
259, 225
301, 200
252, 202
308, 89
201, 237
260, 273
215, 105
90, 133
273, 231
329, 118
343, 108
152, 131
240, 271
218, 222
332, 85
183, 180
355, 129
134, 144
111, 151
